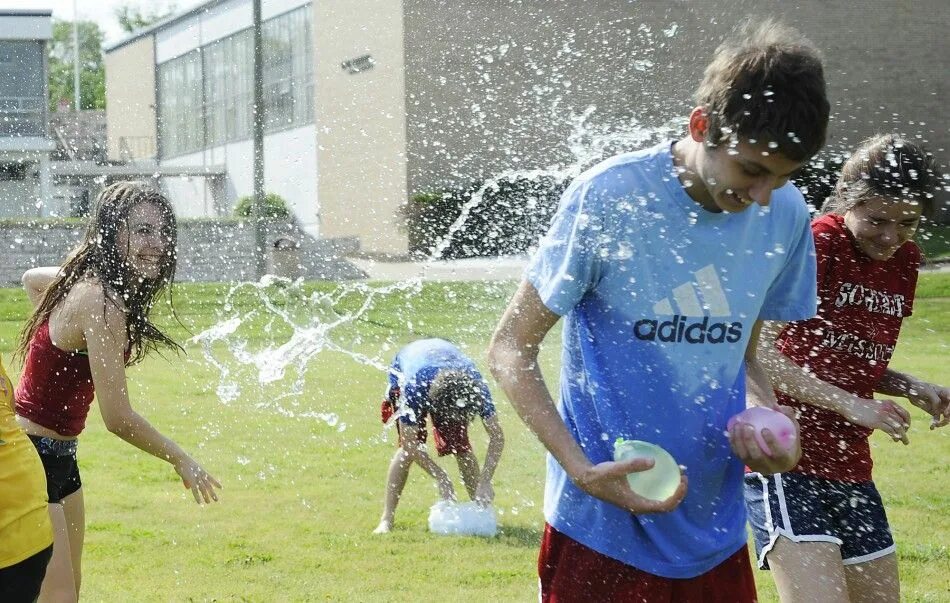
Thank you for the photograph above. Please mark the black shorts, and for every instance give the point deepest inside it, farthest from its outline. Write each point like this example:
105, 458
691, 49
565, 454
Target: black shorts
59, 463
20, 582
810, 509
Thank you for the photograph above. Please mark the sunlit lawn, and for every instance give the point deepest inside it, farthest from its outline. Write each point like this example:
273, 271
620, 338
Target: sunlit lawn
934, 240
303, 473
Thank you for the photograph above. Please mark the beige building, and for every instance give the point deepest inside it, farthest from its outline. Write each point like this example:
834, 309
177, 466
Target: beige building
371, 101
130, 112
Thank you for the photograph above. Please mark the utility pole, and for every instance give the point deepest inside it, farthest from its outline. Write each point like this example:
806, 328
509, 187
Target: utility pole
258, 135
75, 58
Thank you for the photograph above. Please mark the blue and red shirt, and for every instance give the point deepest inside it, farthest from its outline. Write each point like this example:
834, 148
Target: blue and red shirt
417, 364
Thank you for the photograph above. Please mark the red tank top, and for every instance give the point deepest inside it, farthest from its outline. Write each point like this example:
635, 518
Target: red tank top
56, 389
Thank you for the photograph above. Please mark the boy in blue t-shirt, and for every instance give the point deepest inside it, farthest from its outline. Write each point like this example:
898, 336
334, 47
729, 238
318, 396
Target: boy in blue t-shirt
663, 263
433, 379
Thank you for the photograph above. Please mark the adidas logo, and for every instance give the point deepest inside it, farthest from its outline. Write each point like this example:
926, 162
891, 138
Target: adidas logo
703, 298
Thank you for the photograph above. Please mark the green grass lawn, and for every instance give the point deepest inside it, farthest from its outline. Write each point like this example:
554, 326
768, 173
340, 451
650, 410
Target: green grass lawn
303, 460
934, 240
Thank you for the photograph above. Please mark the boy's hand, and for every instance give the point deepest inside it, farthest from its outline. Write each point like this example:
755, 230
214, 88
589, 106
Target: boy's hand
608, 481
932, 399
743, 442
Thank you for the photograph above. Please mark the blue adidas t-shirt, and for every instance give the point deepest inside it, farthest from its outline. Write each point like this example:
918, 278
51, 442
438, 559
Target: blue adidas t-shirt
659, 298
417, 364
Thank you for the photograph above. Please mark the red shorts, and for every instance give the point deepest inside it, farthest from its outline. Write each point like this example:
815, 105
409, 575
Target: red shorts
570, 571
450, 438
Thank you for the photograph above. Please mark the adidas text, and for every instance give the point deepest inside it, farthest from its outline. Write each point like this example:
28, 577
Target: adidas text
680, 329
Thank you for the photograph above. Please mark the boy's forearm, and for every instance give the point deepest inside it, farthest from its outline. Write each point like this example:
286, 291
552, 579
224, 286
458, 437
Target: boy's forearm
540, 415
496, 444
520, 378
513, 359
758, 385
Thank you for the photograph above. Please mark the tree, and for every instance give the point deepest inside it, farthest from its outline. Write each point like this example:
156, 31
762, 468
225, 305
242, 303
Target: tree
132, 17
92, 75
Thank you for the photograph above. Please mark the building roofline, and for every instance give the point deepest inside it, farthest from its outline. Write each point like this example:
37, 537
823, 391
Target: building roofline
169, 20
26, 12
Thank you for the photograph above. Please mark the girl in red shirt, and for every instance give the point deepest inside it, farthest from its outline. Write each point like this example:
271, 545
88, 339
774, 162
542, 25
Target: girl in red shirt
821, 528
91, 321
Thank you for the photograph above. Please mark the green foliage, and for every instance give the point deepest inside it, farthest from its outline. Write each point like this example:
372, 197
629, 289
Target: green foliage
92, 75
133, 17
504, 217
426, 198
275, 208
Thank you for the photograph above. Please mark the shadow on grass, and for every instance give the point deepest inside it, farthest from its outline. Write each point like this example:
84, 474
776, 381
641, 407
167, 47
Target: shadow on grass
520, 536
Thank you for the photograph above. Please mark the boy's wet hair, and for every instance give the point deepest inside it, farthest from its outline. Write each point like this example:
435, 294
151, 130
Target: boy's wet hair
456, 394
766, 83
888, 166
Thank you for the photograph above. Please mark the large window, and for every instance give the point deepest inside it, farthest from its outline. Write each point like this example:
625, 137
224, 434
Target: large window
22, 93
180, 105
288, 70
228, 66
206, 96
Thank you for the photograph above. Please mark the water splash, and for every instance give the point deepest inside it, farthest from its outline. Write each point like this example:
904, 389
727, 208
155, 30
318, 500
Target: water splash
314, 322
587, 145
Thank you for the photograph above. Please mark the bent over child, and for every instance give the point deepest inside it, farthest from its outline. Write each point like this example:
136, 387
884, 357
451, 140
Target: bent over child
431, 379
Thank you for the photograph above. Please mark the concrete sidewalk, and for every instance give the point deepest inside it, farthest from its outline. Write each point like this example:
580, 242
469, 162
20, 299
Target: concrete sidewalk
505, 268
472, 269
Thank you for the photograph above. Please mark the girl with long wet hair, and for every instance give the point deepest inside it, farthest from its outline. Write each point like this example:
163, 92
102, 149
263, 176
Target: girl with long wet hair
821, 528
90, 321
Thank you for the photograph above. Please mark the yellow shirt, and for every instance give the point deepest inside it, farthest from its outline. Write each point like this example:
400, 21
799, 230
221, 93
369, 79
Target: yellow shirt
25, 528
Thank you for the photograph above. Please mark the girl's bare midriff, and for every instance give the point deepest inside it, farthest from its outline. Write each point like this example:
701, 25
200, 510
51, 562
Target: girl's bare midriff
35, 429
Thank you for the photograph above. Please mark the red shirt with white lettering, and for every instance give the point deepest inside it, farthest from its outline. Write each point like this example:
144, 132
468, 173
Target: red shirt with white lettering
849, 343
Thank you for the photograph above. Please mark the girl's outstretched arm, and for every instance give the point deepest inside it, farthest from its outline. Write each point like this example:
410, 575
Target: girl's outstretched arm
797, 382
103, 324
931, 398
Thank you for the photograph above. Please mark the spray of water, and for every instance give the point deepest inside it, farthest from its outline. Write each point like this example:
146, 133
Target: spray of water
313, 320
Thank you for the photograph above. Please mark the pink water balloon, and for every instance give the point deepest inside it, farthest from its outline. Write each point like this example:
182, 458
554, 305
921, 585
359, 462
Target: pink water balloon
765, 418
